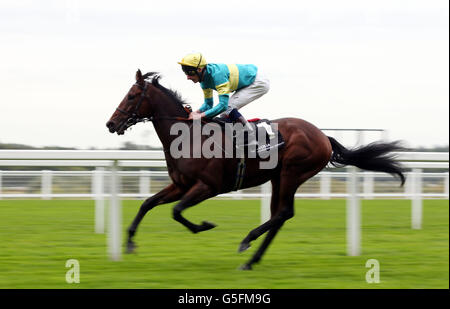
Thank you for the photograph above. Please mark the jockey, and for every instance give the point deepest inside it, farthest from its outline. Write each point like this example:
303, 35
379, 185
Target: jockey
243, 79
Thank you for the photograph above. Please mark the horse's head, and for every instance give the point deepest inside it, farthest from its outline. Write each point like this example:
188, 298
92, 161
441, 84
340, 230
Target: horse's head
132, 109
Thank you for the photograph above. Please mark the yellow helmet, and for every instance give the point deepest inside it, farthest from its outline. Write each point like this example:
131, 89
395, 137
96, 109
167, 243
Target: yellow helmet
195, 60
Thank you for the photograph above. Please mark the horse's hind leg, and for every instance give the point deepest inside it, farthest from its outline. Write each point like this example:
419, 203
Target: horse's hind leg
169, 194
272, 232
281, 212
259, 253
282, 209
196, 194
245, 244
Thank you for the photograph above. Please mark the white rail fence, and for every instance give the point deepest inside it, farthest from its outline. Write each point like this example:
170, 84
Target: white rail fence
107, 181
49, 184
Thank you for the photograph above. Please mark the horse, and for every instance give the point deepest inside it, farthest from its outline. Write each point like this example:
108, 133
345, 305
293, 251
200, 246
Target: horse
307, 150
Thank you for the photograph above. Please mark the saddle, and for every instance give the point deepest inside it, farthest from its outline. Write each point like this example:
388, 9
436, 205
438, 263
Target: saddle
271, 140
267, 136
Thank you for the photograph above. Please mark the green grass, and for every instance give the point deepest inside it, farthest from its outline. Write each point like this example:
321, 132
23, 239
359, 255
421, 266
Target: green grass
38, 237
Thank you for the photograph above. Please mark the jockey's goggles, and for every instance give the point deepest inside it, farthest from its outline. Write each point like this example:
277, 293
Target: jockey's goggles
188, 70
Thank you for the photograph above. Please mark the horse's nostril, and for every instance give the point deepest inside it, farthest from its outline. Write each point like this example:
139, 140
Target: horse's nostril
110, 126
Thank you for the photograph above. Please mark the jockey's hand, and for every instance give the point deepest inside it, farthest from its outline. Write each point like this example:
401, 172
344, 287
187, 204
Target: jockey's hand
196, 115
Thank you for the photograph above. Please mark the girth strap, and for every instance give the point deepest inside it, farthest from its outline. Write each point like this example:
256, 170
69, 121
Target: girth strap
239, 174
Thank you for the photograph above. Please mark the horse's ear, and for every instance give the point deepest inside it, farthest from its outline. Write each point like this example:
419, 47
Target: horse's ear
139, 76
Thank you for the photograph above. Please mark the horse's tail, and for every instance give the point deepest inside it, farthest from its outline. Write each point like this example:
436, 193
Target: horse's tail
373, 157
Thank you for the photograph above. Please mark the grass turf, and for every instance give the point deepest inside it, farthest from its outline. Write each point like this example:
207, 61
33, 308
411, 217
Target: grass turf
38, 237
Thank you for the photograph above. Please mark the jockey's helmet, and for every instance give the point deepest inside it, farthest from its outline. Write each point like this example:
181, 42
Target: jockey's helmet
191, 62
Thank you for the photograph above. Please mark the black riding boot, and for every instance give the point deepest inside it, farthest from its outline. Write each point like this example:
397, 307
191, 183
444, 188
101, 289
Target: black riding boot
251, 134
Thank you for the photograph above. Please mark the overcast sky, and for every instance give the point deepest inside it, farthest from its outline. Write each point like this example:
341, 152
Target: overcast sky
66, 65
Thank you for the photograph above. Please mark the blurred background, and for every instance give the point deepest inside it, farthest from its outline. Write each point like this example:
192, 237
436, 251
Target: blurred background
66, 65
360, 70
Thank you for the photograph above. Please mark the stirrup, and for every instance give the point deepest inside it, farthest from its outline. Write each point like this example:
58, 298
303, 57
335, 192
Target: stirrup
268, 147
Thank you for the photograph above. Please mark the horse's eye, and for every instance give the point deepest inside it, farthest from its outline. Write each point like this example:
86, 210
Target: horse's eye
130, 97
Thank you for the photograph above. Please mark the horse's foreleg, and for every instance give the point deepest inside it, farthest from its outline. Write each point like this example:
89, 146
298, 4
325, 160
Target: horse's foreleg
198, 193
169, 194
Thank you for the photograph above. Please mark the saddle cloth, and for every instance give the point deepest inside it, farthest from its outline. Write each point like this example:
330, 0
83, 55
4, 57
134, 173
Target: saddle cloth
272, 137
263, 128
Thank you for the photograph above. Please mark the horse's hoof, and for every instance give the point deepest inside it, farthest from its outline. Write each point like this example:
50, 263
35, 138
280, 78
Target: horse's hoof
244, 246
245, 267
207, 226
131, 247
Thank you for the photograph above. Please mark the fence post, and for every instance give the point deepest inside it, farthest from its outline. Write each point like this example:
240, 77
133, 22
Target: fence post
384, 135
266, 189
115, 216
325, 185
144, 183
407, 188
368, 185
359, 138
416, 205
46, 184
353, 214
235, 195
445, 185
98, 188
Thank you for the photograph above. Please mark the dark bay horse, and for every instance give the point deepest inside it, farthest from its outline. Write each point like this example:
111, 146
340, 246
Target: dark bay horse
306, 152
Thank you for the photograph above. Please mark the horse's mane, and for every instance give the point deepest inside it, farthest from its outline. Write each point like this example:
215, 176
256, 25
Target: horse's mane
154, 77
172, 94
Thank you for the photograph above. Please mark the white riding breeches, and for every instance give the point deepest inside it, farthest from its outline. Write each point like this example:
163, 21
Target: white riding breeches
243, 96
